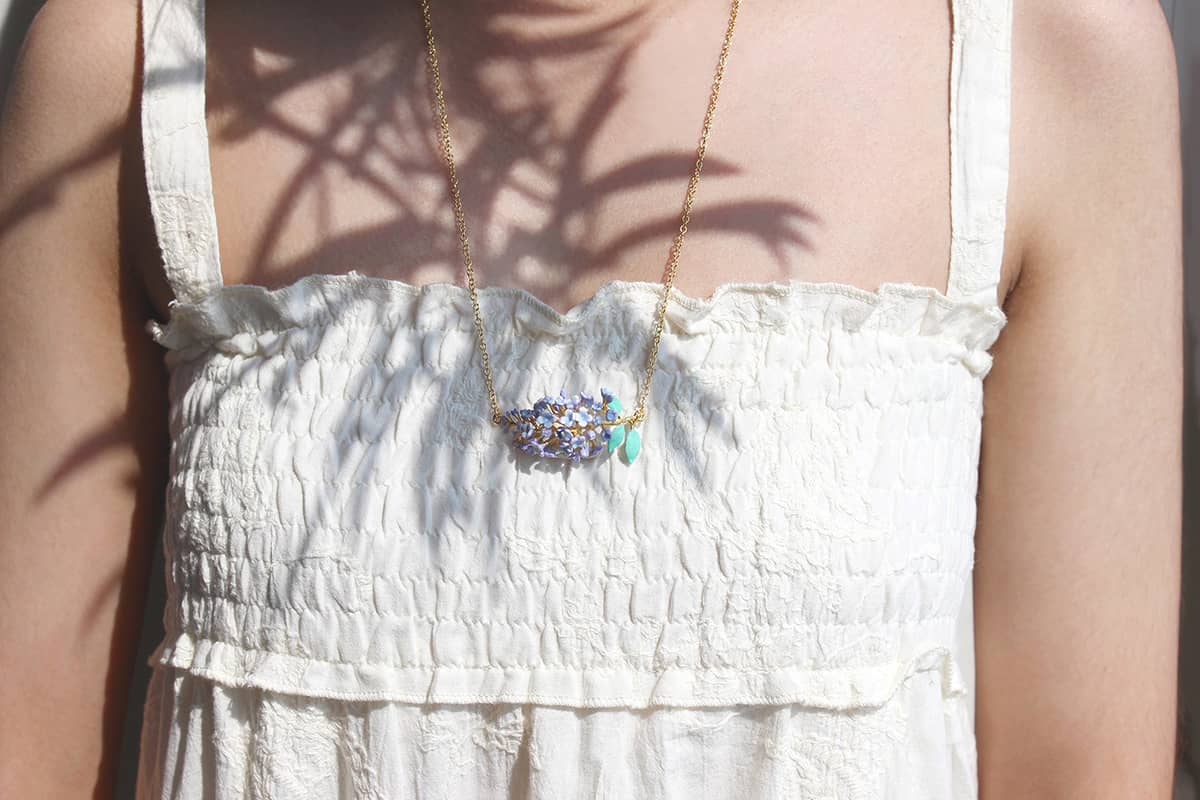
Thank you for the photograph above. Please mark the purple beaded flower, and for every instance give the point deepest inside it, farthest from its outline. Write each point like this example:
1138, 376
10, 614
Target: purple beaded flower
573, 428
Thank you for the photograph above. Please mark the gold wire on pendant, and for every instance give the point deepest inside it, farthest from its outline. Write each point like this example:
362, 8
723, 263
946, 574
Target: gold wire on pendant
578, 426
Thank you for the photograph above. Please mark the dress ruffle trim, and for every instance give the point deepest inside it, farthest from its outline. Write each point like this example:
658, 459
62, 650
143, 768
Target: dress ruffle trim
249, 318
869, 686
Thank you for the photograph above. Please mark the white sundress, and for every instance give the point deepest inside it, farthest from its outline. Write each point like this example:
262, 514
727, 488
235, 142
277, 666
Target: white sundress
371, 595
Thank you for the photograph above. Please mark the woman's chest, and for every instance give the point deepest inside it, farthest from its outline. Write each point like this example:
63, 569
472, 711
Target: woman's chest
575, 143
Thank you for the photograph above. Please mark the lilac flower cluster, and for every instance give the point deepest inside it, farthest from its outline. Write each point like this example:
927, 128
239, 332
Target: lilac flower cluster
566, 427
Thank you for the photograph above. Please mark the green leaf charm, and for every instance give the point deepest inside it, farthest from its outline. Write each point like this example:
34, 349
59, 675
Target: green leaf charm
616, 437
633, 445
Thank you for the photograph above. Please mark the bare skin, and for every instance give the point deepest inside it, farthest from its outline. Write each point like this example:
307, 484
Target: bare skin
828, 162
595, 142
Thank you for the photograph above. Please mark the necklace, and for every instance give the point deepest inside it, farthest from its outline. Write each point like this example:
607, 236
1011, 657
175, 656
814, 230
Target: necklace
578, 426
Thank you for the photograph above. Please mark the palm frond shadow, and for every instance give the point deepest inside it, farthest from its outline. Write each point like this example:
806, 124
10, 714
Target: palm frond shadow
511, 136
444, 413
359, 136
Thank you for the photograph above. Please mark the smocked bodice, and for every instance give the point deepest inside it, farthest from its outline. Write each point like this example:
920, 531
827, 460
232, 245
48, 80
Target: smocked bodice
345, 521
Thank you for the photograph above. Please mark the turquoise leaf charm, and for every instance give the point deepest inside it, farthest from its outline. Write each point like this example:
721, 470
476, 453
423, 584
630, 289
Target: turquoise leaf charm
633, 445
616, 437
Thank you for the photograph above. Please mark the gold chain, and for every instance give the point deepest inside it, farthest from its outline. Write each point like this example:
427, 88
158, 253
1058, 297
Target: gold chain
640, 412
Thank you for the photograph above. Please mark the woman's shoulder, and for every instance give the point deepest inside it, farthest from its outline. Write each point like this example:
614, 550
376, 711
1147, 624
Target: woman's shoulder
1094, 95
69, 120
71, 135
1092, 62
78, 63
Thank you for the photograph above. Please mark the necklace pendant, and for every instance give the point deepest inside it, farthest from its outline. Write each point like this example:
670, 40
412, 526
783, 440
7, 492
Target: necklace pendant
574, 427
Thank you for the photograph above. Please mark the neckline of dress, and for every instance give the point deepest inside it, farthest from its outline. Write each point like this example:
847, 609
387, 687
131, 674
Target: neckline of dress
613, 286
251, 318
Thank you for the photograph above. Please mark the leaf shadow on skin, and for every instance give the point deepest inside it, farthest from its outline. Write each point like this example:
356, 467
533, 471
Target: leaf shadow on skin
244, 104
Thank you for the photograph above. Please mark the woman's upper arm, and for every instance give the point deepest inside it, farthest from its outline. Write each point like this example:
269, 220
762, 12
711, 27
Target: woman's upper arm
1077, 549
82, 420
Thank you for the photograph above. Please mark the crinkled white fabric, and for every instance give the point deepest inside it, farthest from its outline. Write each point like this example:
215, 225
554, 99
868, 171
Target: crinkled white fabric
344, 524
343, 521
370, 594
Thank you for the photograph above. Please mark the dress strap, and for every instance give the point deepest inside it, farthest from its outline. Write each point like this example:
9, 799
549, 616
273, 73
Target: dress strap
980, 92
175, 145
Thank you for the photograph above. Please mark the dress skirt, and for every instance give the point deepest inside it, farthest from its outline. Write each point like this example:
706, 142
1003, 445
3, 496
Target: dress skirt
203, 740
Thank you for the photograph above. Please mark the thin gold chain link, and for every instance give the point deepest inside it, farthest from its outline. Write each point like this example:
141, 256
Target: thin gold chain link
639, 412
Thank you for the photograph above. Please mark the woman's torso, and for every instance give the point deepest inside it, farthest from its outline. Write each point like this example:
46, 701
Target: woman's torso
344, 527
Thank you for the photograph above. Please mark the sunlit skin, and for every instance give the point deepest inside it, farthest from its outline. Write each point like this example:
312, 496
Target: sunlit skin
575, 137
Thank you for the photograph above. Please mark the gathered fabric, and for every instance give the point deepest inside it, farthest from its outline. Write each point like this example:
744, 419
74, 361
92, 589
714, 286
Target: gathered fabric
222, 742
371, 595
347, 524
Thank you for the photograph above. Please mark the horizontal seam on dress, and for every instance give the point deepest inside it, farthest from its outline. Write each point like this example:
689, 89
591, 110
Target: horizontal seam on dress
305, 562
184, 595
181, 478
948, 659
